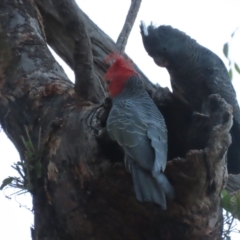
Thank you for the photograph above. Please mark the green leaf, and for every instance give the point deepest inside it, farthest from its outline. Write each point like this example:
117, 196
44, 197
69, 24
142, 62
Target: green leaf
237, 199
19, 163
6, 182
237, 68
29, 139
225, 50
226, 200
230, 73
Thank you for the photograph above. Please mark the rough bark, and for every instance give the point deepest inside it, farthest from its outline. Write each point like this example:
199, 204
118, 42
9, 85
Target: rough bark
83, 190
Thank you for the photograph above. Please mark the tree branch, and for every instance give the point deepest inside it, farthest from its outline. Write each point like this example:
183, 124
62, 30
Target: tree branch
86, 82
85, 85
127, 27
61, 40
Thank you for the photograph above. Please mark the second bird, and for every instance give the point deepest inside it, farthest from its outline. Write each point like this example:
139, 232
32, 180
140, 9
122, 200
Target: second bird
195, 73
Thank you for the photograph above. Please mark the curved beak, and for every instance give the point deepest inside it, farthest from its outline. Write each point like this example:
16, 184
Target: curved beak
160, 61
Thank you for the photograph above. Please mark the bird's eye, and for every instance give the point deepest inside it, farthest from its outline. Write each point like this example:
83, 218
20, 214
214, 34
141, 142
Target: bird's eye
108, 82
164, 49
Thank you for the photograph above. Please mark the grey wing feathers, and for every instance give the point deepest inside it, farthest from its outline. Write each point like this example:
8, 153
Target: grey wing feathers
124, 125
159, 143
141, 131
130, 128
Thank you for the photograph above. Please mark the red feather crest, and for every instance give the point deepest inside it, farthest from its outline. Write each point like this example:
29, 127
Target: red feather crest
120, 67
118, 73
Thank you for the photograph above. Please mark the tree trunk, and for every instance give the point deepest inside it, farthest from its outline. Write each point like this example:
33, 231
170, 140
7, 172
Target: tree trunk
80, 187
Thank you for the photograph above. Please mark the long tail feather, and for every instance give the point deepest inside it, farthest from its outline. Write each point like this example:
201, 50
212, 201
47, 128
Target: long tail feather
148, 188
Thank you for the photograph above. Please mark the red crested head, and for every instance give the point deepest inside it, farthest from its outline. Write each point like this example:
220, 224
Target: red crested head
118, 74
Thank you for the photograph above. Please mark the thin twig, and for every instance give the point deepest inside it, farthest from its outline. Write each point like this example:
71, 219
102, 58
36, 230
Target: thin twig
127, 27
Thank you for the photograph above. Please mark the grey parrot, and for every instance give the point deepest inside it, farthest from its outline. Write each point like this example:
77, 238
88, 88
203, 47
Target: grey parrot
138, 126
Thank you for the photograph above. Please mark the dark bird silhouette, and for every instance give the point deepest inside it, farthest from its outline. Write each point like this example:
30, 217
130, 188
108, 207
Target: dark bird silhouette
195, 73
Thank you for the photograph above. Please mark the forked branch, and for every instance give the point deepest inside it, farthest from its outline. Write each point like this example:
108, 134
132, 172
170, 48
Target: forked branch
60, 38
